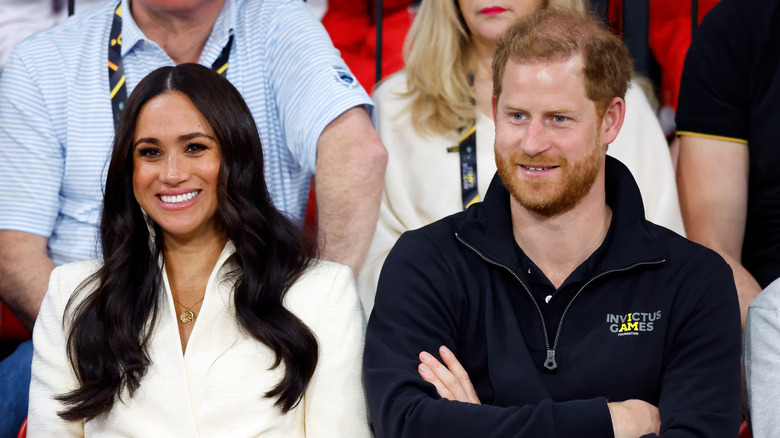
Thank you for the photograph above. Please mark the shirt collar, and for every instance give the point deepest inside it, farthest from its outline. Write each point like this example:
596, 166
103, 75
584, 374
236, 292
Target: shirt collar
131, 34
226, 23
225, 260
224, 27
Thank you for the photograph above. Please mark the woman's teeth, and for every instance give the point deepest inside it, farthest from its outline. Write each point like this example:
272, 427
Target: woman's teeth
178, 198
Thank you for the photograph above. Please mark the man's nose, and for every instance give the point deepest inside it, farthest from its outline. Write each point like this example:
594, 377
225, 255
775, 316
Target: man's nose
536, 139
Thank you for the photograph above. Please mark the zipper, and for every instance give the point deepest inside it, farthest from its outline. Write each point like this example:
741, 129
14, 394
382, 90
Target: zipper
549, 362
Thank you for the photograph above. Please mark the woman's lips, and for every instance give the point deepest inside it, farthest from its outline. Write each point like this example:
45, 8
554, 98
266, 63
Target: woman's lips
493, 10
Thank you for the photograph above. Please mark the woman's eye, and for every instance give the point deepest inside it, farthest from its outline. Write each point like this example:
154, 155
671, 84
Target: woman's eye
148, 152
196, 147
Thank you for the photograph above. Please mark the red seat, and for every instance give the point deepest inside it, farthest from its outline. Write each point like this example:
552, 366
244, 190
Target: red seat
12, 332
10, 326
744, 430
22, 430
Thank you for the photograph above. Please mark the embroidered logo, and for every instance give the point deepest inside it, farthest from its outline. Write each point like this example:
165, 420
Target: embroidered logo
632, 323
344, 77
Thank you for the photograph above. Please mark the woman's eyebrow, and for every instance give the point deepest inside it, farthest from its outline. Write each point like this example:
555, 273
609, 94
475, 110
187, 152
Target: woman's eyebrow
185, 137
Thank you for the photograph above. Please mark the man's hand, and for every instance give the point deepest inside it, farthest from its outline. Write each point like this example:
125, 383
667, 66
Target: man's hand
634, 418
451, 380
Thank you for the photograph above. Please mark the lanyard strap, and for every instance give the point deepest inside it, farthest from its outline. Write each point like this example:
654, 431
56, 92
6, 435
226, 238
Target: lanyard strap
467, 149
116, 73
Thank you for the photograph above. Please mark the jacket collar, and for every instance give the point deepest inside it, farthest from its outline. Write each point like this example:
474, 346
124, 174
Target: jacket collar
487, 227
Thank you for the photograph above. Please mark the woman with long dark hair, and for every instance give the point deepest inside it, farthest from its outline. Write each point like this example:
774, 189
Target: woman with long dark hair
207, 315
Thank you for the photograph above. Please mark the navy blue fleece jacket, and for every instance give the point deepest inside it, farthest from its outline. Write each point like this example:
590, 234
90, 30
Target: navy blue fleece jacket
649, 316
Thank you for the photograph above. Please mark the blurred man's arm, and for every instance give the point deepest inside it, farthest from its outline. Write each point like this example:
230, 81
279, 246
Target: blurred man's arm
24, 273
712, 178
350, 174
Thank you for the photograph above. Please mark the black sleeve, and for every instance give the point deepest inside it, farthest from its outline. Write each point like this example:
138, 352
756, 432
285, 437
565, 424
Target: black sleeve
714, 89
419, 304
701, 382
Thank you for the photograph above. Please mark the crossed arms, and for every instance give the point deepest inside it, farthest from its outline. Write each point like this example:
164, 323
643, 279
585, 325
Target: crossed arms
423, 303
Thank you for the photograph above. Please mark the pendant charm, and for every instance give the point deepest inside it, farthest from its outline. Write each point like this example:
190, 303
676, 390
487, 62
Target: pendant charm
187, 316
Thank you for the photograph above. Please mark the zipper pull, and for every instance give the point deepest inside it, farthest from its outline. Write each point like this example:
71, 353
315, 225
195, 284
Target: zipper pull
550, 362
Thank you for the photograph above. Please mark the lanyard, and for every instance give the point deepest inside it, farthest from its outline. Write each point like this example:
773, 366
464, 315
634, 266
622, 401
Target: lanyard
116, 73
467, 149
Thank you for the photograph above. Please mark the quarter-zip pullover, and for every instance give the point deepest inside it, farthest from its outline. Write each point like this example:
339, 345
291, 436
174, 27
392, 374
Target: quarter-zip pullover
649, 315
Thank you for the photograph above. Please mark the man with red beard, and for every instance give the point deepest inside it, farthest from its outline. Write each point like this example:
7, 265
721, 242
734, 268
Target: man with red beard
553, 308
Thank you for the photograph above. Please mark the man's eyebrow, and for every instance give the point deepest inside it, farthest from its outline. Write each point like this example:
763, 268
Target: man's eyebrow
561, 110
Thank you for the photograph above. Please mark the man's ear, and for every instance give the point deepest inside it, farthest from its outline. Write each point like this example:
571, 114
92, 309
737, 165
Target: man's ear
493, 105
613, 120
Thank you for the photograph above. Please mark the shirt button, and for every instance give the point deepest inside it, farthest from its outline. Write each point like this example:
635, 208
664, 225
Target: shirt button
547, 298
529, 270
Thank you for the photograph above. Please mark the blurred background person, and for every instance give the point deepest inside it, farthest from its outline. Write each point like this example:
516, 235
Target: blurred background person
727, 123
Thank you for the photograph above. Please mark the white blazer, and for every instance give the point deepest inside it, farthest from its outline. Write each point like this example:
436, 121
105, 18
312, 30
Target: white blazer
216, 388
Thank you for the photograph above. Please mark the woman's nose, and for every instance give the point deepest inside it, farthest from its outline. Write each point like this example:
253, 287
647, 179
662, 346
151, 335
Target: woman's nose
173, 171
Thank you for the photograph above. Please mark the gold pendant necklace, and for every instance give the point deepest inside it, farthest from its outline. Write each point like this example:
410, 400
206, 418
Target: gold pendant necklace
188, 315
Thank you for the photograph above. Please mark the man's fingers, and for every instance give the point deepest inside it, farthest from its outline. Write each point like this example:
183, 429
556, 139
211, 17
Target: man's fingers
448, 385
429, 376
452, 389
459, 373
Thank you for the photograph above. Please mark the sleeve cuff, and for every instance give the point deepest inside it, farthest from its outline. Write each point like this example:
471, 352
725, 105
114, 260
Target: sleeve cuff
579, 418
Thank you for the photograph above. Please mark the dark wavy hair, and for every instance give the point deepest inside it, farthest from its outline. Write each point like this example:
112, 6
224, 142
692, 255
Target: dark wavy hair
111, 328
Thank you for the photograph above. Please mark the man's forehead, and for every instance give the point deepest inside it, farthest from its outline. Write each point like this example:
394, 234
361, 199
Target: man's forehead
574, 62
544, 75
544, 84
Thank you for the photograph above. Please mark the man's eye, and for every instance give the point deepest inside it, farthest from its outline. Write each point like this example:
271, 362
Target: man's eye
518, 116
559, 119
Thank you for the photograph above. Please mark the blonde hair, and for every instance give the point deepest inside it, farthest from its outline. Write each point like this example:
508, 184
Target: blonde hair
438, 57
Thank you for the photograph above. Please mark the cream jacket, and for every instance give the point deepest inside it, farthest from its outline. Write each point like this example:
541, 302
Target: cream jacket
422, 181
216, 388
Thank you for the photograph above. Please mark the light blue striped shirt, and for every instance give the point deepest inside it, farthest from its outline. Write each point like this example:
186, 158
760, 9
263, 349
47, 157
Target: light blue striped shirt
56, 123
